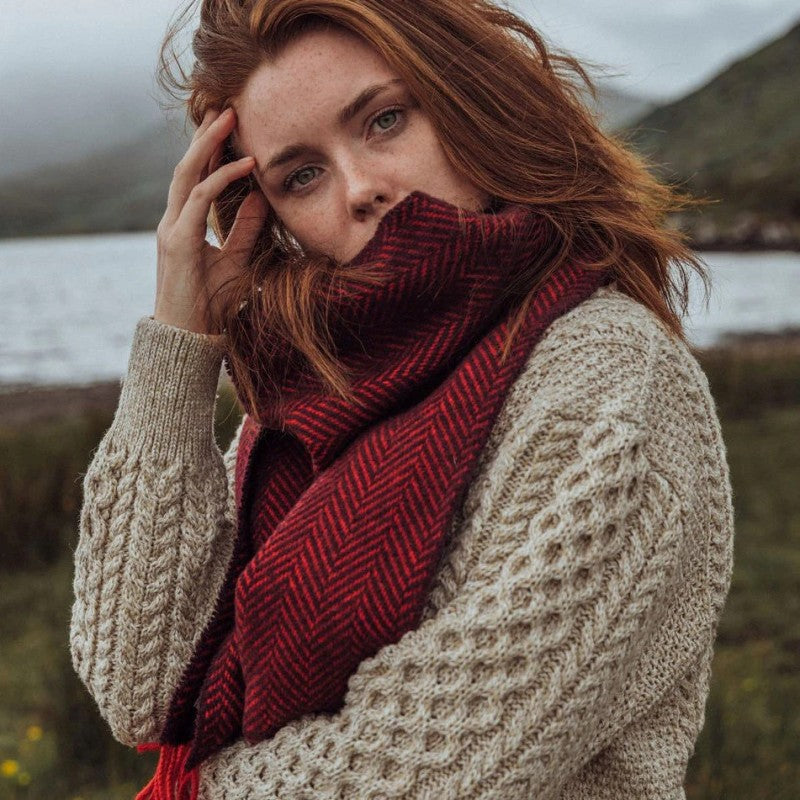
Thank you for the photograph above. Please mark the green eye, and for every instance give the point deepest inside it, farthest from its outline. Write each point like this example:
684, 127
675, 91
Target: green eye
390, 120
386, 120
390, 114
306, 170
287, 185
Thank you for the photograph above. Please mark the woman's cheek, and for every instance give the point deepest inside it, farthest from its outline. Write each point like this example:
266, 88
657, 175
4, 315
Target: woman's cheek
320, 236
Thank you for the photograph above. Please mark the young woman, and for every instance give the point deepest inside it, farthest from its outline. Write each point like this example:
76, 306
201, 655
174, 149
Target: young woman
473, 536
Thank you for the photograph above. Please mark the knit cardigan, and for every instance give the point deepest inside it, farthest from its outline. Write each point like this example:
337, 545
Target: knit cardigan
565, 649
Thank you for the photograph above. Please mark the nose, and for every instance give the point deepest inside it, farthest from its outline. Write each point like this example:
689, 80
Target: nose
369, 193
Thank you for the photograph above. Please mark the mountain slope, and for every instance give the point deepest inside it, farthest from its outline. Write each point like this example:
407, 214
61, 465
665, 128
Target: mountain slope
617, 108
124, 188
737, 139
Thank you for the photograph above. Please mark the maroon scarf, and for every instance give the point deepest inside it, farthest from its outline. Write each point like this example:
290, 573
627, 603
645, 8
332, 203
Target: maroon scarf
343, 509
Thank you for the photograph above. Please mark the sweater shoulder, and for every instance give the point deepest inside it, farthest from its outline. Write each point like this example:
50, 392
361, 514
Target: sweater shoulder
610, 364
609, 314
596, 360
606, 389
611, 354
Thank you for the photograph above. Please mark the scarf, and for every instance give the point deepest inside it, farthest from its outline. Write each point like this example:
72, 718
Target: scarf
343, 508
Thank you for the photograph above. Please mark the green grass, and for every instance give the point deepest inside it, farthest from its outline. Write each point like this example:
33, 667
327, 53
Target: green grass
50, 730
750, 745
748, 748
41, 474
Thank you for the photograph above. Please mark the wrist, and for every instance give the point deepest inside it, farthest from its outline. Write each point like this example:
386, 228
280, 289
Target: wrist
187, 322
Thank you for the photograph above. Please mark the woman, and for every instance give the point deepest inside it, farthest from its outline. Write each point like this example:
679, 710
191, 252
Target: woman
473, 536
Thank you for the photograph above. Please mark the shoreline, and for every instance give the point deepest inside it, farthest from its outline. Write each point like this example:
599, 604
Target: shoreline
23, 403
699, 245
723, 246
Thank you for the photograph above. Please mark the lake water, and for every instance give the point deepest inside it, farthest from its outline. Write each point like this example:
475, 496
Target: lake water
70, 304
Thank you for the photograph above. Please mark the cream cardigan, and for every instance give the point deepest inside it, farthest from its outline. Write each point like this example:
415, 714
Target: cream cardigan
565, 649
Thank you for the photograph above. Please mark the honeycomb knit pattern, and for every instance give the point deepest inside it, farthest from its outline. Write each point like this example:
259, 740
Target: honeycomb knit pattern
565, 649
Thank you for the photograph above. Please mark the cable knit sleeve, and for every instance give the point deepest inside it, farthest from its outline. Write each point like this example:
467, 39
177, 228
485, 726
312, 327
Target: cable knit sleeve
573, 616
156, 530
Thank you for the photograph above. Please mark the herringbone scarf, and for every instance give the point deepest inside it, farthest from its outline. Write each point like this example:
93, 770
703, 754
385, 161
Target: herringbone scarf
343, 509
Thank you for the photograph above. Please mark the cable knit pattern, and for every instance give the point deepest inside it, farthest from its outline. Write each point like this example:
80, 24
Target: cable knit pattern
565, 649
156, 531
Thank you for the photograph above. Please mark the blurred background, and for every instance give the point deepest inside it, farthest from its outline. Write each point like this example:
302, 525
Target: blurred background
707, 89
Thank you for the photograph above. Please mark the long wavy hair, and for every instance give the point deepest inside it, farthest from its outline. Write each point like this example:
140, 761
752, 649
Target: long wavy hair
511, 115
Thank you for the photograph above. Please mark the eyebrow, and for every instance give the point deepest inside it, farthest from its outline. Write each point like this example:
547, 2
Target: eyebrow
344, 116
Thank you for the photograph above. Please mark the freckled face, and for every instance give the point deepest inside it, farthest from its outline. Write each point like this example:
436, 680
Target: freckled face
334, 175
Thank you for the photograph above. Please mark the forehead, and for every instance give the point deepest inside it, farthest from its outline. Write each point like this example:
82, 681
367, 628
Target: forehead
305, 87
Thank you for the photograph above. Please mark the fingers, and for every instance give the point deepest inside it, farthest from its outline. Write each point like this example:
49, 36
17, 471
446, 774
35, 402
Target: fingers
246, 227
213, 164
216, 157
210, 115
194, 166
195, 210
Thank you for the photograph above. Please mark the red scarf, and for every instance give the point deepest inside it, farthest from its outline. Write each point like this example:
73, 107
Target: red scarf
344, 509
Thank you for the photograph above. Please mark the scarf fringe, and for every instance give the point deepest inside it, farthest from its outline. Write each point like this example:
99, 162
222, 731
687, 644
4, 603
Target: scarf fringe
170, 781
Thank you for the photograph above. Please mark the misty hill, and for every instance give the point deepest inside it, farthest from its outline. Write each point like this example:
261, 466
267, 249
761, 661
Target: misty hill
124, 187
737, 138
616, 108
49, 119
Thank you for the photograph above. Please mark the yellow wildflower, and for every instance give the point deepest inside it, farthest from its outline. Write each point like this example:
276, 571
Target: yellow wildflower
9, 768
34, 733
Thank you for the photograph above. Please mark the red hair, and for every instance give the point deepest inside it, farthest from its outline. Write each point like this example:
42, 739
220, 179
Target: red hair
510, 115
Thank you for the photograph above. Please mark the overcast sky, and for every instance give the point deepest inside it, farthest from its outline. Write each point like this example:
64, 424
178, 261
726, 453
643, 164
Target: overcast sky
58, 59
664, 47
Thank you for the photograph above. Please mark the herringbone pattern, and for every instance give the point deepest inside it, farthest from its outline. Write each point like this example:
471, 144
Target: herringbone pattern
344, 512
565, 645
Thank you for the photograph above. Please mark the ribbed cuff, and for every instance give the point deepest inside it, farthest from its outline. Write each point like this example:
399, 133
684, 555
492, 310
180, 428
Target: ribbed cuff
168, 396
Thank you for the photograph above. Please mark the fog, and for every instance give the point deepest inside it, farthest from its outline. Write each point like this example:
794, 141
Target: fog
79, 76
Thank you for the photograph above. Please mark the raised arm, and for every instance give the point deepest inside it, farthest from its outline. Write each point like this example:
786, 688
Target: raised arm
574, 614
157, 527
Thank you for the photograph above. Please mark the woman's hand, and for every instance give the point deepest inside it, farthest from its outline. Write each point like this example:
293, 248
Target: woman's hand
190, 269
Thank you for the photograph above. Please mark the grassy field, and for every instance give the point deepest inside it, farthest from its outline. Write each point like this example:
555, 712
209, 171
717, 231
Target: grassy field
53, 743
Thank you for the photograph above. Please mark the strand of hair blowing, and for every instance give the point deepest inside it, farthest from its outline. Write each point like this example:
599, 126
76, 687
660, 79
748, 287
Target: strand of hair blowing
510, 114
